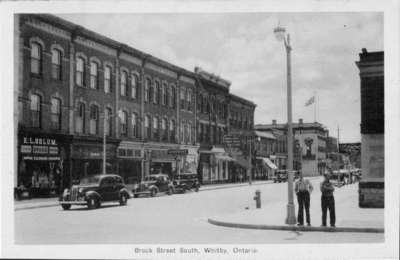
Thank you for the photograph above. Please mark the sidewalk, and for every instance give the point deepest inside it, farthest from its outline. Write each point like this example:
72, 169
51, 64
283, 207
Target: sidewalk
349, 217
52, 202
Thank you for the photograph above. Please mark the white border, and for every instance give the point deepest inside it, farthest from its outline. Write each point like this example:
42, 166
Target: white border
389, 249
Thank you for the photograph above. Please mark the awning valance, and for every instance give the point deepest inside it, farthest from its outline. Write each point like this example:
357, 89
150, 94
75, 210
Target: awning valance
241, 161
223, 157
268, 163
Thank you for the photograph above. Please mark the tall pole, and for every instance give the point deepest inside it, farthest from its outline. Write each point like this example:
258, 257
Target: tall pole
291, 218
249, 158
315, 107
104, 143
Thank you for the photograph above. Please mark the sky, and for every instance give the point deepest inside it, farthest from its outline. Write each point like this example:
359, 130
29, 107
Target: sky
242, 48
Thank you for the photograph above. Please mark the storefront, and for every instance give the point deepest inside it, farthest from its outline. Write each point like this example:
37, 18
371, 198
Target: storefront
42, 164
265, 168
130, 159
214, 165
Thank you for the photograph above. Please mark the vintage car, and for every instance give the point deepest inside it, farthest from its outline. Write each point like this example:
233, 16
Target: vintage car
95, 189
153, 184
186, 181
280, 176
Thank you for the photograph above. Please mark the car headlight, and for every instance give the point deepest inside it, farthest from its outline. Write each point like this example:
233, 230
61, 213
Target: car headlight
135, 186
80, 190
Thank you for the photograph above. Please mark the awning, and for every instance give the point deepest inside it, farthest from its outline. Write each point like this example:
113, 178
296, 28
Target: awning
241, 161
268, 163
267, 135
223, 157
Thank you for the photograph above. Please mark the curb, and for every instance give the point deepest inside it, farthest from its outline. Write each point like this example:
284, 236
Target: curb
239, 185
296, 228
36, 206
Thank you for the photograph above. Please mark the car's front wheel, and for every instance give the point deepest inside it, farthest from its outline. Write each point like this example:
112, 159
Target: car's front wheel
170, 191
92, 203
66, 206
123, 200
153, 192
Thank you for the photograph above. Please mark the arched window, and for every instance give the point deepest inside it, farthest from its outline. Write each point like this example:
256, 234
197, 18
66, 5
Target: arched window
135, 125
124, 125
156, 96
200, 103
182, 106
189, 133
172, 131
148, 90
108, 123
80, 71
134, 86
155, 128
56, 113
107, 79
80, 119
189, 99
172, 101
36, 110
164, 129
164, 94
94, 68
147, 126
94, 120
124, 78
36, 58
56, 64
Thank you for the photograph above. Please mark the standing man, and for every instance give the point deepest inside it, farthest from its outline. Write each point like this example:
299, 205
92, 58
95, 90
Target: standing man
327, 201
303, 189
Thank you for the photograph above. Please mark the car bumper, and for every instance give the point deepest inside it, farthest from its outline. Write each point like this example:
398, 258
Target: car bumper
79, 202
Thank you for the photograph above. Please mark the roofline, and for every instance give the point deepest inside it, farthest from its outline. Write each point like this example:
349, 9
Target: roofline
248, 102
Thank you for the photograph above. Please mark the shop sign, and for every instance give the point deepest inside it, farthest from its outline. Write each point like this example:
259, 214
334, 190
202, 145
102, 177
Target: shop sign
39, 149
178, 151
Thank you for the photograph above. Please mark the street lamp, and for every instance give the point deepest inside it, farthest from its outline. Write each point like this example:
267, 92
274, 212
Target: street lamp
281, 35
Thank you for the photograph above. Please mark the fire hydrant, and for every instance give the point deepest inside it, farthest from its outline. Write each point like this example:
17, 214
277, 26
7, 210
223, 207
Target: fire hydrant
257, 198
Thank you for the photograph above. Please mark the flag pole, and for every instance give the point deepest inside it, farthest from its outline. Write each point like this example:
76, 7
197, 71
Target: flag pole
315, 108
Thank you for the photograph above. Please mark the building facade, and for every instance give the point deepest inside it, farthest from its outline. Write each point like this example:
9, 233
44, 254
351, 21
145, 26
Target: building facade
84, 99
371, 188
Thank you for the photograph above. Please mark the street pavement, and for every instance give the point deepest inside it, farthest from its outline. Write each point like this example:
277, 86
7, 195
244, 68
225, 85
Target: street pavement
180, 218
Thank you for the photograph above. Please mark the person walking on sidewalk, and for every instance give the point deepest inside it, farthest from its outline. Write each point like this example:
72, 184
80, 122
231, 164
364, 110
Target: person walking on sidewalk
303, 189
327, 201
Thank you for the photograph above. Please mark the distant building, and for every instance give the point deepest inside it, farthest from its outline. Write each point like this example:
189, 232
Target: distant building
371, 188
353, 150
265, 150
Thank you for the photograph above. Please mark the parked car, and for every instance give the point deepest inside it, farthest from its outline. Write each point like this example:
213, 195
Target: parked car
186, 181
153, 184
94, 190
280, 176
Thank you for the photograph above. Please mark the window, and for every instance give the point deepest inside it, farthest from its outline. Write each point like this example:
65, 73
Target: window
94, 119
124, 125
93, 75
124, 77
108, 123
172, 101
182, 98
164, 129
80, 119
155, 127
56, 113
107, 79
200, 103
134, 86
36, 110
56, 64
172, 130
156, 96
147, 126
200, 132
189, 140
147, 87
135, 126
36, 58
80, 72
189, 99
164, 95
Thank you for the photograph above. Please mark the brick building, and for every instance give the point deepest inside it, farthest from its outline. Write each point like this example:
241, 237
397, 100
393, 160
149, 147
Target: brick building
371, 188
79, 92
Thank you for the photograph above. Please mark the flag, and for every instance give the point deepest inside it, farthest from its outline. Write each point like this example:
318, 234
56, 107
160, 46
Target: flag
310, 101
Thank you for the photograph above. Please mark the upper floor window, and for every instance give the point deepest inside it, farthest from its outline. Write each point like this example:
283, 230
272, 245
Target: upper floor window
189, 133
108, 121
94, 119
56, 64
107, 79
56, 113
200, 103
189, 99
36, 110
182, 106
155, 127
80, 119
124, 125
164, 129
164, 94
147, 87
156, 96
135, 125
172, 130
36, 58
124, 78
172, 97
93, 75
134, 86
80, 71
147, 126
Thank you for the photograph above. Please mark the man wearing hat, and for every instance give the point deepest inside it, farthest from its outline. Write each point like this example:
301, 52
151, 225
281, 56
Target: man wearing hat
303, 189
327, 201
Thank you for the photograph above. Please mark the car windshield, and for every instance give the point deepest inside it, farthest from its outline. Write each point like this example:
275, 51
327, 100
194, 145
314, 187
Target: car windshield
150, 178
90, 180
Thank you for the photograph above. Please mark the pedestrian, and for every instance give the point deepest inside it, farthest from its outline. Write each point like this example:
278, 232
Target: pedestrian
303, 189
327, 201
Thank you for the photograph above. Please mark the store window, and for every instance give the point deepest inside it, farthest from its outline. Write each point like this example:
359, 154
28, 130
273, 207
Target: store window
36, 58
56, 64
80, 71
107, 79
56, 113
124, 126
94, 119
155, 128
80, 119
36, 113
134, 86
124, 78
93, 75
135, 125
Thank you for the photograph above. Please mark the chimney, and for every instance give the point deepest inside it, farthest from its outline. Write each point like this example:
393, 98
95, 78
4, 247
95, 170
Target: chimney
300, 120
364, 50
274, 121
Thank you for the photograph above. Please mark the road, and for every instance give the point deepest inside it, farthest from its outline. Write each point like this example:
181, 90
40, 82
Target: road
180, 218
